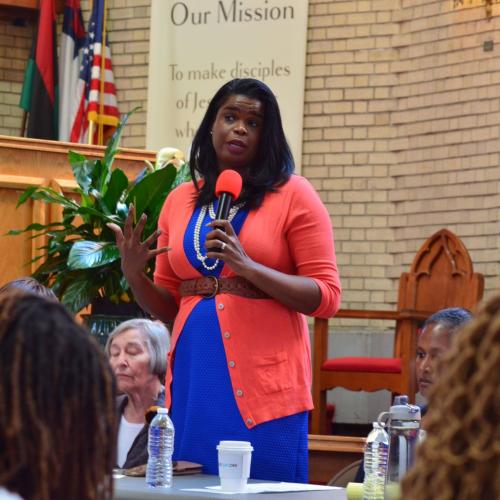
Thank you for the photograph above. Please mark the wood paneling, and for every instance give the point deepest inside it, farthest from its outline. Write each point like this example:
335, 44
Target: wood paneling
330, 454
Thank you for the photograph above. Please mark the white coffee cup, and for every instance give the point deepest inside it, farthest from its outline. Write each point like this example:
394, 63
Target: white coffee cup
234, 464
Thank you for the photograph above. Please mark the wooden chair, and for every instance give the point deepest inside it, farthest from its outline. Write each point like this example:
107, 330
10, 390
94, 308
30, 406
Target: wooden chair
440, 276
345, 476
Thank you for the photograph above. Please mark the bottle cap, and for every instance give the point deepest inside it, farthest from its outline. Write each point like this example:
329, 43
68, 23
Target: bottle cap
405, 412
400, 400
162, 411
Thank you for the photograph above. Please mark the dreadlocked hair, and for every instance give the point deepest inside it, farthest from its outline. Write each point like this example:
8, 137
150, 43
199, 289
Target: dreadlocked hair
57, 399
460, 457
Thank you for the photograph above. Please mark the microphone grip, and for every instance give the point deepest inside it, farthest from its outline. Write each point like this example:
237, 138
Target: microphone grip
224, 206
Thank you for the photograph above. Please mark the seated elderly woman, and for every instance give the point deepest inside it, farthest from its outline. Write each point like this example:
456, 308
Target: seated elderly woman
137, 351
57, 400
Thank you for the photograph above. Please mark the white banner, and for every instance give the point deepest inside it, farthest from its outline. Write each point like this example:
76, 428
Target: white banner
198, 45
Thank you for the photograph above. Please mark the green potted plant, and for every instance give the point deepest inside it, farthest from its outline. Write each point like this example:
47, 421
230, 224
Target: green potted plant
81, 262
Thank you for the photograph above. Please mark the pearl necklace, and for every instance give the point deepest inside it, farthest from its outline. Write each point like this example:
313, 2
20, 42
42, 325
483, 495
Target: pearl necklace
197, 229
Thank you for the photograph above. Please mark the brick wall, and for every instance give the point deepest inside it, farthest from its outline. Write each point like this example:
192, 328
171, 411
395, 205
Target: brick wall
401, 135
447, 125
347, 134
401, 129
15, 45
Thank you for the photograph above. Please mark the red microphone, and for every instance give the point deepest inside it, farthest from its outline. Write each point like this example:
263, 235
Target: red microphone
227, 189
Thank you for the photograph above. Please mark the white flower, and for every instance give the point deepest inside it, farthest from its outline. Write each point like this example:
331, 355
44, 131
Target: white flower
169, 155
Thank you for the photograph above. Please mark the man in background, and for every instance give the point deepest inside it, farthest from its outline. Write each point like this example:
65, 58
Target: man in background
433, 341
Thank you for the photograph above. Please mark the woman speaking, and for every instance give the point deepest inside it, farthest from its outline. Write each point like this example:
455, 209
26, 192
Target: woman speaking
239, 288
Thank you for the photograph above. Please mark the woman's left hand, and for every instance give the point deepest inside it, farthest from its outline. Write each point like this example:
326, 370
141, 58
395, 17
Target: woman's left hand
299, 293
223, 244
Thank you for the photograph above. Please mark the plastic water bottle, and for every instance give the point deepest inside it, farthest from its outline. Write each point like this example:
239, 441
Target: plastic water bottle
375, 463
160, 449
403, 424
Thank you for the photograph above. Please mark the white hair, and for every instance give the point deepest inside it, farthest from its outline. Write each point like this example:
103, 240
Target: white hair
157, 341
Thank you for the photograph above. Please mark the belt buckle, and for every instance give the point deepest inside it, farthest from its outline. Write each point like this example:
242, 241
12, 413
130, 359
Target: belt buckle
216, 290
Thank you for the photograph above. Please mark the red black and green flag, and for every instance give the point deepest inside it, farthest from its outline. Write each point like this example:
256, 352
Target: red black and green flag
40, 94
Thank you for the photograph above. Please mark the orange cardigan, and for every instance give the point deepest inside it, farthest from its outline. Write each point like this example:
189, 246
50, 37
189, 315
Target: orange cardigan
266, 344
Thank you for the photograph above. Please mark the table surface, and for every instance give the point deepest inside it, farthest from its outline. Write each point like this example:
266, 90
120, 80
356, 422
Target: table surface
135, 488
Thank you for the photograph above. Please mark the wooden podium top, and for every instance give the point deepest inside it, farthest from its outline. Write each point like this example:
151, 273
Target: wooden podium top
59, 147
49, 159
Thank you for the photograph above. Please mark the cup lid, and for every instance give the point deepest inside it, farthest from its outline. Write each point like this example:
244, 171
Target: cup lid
235, 445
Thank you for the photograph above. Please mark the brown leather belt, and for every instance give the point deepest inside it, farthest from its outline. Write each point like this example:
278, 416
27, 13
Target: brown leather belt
210, 286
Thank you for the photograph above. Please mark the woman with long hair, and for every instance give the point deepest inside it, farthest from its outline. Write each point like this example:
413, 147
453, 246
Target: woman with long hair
239, 288
57, 400
460, 457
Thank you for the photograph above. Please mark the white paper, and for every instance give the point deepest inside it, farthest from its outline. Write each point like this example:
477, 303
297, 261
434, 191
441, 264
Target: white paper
267, 488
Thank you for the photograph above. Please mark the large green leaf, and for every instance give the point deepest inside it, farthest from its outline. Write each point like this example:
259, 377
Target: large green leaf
152, 188
121, 212
183, 175
63, 238
85, 171
79, 293
86, 199
48, 195
102, 217
25, 195
75, 158
117, 186
51, 265
34, 227
90, 254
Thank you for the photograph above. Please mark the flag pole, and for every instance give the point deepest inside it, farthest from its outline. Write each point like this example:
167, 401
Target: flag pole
23, 123
102, 76
91, 132
91, 123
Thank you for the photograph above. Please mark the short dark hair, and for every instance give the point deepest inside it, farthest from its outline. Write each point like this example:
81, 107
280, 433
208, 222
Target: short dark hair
28, 284
451, 318
273, 163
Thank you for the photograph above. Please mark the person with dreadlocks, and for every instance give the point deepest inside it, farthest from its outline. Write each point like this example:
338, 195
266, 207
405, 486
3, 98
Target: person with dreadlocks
460, 457
57, 398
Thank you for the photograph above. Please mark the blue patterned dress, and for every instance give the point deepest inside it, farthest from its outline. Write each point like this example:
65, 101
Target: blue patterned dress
204, 410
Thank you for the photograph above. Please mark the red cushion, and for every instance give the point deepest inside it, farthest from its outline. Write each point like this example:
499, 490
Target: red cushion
372, 365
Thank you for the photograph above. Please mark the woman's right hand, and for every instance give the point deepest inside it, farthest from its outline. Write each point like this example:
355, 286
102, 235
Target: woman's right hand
134, 253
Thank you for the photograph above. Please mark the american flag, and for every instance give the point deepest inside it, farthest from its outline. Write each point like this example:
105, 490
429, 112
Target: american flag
96, 87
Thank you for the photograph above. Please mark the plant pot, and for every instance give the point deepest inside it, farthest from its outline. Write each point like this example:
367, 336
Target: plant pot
105, 316
102, 305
